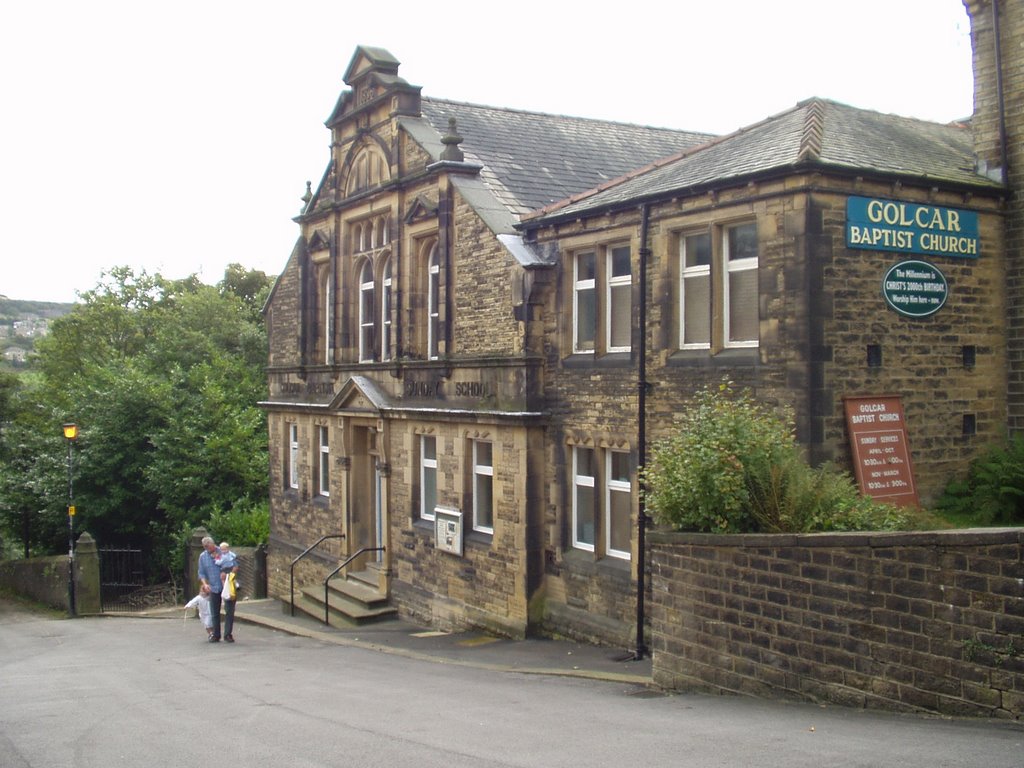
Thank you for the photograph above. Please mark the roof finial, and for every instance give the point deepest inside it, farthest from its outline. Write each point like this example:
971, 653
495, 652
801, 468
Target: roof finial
308, 196
451, 142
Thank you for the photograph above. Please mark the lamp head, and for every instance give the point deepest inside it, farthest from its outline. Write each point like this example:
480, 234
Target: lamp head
71, 431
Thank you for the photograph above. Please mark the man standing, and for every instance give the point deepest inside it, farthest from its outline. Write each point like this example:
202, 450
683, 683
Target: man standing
209, 575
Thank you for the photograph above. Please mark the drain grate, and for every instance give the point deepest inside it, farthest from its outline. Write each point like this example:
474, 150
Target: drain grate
646, 693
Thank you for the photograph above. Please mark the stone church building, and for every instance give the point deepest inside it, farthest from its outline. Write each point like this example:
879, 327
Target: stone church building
490, 315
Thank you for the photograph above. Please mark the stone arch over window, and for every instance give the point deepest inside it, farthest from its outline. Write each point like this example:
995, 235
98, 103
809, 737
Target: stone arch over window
368, 168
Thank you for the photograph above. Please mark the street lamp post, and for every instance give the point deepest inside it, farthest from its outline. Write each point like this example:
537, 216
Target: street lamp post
70, 435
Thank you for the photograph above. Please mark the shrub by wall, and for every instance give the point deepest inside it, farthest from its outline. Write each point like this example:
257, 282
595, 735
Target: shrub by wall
917, 622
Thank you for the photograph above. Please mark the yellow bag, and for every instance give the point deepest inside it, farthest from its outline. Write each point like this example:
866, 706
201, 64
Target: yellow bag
229, 592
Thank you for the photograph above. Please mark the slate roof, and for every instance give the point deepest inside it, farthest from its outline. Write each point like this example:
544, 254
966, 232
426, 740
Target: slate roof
816, 133
532, 159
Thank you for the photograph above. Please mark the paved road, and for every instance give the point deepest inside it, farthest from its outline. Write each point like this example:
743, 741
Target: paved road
92, 693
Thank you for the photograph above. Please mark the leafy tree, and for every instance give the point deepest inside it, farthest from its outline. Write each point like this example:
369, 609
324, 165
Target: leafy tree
163, 378
249, 285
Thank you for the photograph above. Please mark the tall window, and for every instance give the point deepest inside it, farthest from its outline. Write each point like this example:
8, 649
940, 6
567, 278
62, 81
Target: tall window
618, 504
428, 476
584, 301
740, 259
602, 299
324, 475
583, 499
433, 302
293, 455
718, 292
695, 291
385, 312
328, 314
483, 486
619, 299
366, 311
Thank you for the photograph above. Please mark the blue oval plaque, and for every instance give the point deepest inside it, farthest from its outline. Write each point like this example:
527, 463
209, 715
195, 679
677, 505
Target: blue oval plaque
915, 288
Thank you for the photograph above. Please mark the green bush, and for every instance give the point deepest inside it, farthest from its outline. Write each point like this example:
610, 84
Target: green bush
242, 525
734, 467
993, 491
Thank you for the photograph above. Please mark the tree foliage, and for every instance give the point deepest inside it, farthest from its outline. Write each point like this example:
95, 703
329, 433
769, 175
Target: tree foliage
162, 378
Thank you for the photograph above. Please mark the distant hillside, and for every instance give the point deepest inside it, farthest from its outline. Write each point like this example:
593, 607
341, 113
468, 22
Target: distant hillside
21, 323
13, 309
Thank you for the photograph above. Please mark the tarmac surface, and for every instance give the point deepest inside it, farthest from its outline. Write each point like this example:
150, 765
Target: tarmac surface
147, 689
473, 649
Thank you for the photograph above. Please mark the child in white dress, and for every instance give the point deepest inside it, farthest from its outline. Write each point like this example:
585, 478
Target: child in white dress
201, 603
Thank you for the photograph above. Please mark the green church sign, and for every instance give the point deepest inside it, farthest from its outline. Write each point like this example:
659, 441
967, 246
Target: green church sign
915, 288
892, 225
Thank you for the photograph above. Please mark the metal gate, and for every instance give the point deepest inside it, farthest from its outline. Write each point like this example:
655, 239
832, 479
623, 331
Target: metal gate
122, 578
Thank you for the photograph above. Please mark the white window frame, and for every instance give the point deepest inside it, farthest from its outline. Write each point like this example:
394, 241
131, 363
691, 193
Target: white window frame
586, 285
427, 465
692, 273
366, 312
582, 481
433, 303
324, 475
328, 316
612, 486
730, 267
293, 455
385, 311
482, 474
618, 282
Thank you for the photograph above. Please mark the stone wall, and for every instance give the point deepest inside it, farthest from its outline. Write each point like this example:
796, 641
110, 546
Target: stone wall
989, 127
915, 622
43, 579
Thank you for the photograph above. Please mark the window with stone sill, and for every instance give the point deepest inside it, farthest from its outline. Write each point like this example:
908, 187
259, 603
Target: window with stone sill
602, 523
369, 245
718, 288
602, 299
433, 266
324, 463
324, 310
482, 483
428, 476
292, 454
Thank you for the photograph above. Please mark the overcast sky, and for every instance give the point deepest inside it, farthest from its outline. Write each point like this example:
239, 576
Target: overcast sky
178, 137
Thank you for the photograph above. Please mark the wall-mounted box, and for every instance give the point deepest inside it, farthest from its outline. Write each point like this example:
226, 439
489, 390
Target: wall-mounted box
448, 530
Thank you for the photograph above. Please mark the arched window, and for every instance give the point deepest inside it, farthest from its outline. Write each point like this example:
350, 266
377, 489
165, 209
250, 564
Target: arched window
385, 311
366, 315
328, 316
433, 302
369, 168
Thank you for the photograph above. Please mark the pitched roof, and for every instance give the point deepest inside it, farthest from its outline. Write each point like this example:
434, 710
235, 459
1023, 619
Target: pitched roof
532, 159
816, 133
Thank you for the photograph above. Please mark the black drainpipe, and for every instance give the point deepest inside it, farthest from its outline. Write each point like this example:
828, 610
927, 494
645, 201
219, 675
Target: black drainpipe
641, 540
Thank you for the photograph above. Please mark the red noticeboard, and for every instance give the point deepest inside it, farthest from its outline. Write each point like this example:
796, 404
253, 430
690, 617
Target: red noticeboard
881, 454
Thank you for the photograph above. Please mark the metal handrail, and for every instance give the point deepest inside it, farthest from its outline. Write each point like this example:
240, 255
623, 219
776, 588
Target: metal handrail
291, 570
331, 575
